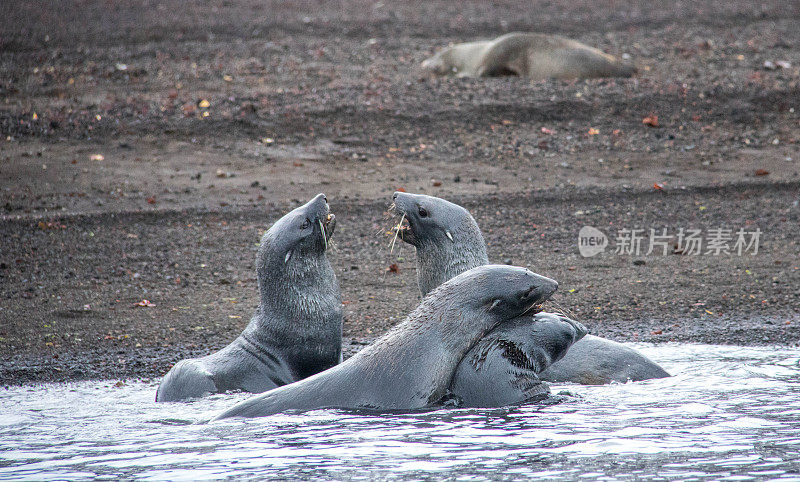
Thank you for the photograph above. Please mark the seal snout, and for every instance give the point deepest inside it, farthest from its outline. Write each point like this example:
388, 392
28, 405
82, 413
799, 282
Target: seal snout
319, 213
541, 289
580, 329
402, 204
320, 206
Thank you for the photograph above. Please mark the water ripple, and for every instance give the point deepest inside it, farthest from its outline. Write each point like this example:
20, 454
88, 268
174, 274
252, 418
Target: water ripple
729, 413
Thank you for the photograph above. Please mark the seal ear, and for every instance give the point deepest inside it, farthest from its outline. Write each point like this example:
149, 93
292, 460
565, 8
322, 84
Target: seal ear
288, 255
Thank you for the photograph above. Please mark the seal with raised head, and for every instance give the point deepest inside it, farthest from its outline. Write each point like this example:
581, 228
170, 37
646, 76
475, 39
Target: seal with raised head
533, 55
441, 230
296, 330
412, 365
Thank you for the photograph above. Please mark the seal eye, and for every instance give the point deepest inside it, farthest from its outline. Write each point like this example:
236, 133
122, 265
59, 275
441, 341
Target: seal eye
306, 224
422, 212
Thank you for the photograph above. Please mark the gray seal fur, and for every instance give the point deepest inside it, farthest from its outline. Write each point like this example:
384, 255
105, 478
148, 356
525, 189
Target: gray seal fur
297, 329
592, 360
444, 249
502, 368
412, 366
532, 55
598, 361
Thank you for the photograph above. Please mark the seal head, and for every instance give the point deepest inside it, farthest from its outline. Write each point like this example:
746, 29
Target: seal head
446, 237
502, 368
311, 225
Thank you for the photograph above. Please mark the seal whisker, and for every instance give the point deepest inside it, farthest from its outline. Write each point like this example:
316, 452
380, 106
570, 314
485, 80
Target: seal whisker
534, 308
324, 234
397, 232
384, 231
563, 310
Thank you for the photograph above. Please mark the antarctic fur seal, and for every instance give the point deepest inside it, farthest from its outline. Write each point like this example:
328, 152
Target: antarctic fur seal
502, 368
412, 365
533, 55
447, 240
296, 330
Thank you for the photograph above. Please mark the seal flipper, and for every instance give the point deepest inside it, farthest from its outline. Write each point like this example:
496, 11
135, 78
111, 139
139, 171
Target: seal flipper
187, 379
530, 386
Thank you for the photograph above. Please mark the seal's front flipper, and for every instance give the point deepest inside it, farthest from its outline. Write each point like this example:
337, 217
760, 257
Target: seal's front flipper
530, 387
187, 379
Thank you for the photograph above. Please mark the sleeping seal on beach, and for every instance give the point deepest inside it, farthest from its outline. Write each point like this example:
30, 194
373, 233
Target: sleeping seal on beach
532, 55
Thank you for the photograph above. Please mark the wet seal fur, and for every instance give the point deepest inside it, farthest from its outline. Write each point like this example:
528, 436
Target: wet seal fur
591, 361
532, 55
502, 368
297, 329
411, 366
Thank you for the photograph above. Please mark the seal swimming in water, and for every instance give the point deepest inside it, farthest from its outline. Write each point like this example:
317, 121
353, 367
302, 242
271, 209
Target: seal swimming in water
296, 330
447, 240
412, 365
533, 55
502, 368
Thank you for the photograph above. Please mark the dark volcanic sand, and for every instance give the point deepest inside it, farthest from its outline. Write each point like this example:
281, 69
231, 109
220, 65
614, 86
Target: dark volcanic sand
305, 98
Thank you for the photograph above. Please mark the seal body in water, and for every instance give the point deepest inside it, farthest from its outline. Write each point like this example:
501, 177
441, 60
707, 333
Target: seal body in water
533, 55
411, 366
502, 368
297, 328
441, 231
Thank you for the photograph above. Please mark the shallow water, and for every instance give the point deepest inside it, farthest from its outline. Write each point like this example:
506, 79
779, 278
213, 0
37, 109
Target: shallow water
729, 413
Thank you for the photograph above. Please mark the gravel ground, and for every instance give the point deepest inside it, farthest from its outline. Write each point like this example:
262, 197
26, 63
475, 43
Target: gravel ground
147, 145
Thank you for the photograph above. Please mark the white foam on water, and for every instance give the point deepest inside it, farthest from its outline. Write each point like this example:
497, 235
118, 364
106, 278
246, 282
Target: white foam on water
728, 413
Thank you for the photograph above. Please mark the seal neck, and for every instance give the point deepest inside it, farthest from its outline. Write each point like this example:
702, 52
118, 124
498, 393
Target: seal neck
441, 261
303, 289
